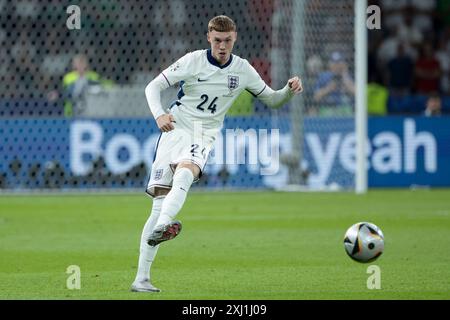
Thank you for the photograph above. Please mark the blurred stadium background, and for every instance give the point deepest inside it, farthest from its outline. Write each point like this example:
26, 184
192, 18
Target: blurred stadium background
61, 130
73, 117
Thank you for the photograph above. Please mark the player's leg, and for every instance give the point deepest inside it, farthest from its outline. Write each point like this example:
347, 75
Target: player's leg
147, 253
166, 227
158, 187
190, 158
182, 180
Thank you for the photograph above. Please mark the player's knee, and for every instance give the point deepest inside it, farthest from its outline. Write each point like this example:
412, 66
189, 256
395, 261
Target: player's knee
161, 191
191, 166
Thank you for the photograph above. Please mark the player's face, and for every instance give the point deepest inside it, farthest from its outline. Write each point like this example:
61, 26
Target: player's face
222, 45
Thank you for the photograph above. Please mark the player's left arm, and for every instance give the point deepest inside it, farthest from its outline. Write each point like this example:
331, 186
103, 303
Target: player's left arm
270, 97
277, 98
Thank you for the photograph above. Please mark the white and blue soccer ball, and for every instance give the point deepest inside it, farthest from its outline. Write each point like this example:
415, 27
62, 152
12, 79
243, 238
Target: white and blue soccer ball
364, 242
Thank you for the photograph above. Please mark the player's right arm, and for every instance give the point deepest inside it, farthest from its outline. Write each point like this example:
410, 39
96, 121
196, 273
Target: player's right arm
153, 95
173, 74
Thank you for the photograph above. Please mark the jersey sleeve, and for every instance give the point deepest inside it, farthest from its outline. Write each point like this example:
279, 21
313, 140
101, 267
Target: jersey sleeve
179, 70
255, 84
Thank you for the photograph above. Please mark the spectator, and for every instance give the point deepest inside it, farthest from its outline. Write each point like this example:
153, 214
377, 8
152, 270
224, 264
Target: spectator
443, 56
427, 71
372, 61
244, 105
76, 83
400, 72
314, 66
389, 48
392, 11
377, 97
25, 69
261, 62
433, 106
334, 89
423, 10
408, 32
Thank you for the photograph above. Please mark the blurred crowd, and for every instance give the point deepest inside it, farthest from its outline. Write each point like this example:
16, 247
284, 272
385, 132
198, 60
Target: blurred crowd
410, 56
129, 42
43, 64
408, 64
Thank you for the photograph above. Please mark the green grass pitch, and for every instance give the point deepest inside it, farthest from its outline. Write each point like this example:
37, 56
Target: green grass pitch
241, 245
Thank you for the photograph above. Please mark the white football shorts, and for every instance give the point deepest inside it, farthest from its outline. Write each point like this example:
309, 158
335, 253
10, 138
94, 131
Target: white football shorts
174, 147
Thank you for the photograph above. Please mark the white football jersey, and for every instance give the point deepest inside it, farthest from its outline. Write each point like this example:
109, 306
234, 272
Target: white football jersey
207, 90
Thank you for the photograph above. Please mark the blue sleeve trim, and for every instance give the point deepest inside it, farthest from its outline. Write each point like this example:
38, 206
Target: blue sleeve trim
166, 79
262, 90
251, 93
255, 95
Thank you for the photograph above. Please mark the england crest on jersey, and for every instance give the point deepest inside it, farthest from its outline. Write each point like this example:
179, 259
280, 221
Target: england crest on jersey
233, 82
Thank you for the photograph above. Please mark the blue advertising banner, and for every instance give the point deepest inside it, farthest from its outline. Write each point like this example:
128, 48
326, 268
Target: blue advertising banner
116, 153
409, 151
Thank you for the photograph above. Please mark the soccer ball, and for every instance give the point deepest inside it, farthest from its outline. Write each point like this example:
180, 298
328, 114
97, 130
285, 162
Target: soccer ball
364, 242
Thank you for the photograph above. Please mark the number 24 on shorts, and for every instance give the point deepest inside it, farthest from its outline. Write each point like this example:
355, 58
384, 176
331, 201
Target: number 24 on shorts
194, 150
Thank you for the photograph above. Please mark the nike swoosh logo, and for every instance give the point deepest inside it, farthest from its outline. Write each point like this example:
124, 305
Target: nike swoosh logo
182, 189
202, 80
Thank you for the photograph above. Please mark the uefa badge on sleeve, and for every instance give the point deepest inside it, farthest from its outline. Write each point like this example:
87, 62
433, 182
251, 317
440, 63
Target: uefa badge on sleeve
174, 67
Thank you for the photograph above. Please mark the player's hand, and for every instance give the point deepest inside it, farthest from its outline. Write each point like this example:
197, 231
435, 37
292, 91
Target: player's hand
164, 122
295, 85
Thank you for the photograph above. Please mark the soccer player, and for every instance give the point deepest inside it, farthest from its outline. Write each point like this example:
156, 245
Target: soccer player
210, 80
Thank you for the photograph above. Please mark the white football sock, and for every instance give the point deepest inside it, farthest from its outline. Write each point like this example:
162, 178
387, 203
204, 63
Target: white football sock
148, 253
182, 181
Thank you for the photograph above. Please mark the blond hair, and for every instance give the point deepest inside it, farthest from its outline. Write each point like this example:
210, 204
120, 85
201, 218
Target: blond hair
221, 24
